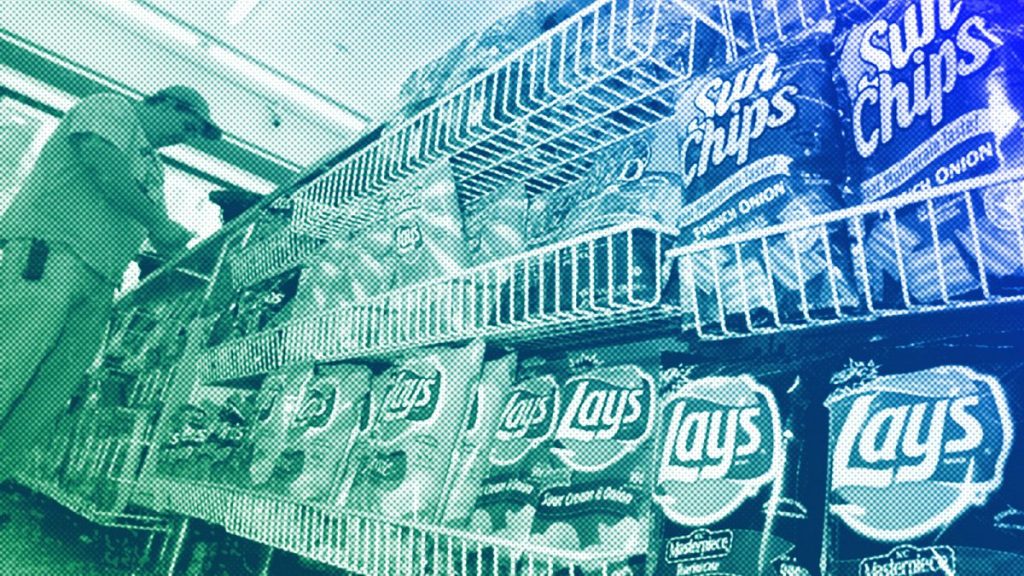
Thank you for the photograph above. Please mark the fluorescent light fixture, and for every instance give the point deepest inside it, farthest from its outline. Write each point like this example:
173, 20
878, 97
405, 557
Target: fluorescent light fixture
239, 10
36, 90
156, 21
286, 88
218, 169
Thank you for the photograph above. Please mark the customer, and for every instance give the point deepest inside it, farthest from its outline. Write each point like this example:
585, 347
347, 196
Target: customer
93, 196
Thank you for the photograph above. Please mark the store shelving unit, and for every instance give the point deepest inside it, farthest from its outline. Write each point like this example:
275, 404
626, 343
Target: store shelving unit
510, 300
719, 301
599, 77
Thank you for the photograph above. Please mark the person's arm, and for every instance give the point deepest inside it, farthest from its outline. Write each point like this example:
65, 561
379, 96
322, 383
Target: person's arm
109, 170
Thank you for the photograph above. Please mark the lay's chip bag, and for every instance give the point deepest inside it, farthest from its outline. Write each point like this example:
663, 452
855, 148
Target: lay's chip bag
933, 92
518, 460
597, 497
407, 468
759, 145
324, 428
496, 380
924, 463
738, 470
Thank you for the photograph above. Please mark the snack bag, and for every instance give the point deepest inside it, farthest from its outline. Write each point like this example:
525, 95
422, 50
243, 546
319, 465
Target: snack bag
737, 476
495, 225
426, 402
759, 141
496, 380
597, 497
933, 94
519, 461
924, 467
324, 428
632, 182
276, 405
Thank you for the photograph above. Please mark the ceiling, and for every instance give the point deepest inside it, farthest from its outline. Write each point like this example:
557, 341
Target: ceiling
355, 53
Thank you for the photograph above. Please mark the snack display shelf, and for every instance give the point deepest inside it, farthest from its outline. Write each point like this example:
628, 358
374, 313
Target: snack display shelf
371, 545
599, 77
609, 277
271, 256
730, 286
92, 511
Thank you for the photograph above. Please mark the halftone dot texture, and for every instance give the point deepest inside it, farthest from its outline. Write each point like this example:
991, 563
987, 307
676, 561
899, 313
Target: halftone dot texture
899, 96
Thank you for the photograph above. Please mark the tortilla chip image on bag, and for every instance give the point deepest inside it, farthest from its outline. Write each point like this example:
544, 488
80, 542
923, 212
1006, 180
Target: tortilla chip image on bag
425, 404
931, 92
759, 142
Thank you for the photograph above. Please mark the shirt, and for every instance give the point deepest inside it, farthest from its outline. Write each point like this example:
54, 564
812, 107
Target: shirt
60, 203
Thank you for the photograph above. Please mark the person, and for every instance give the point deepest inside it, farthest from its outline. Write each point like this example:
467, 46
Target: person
93, 196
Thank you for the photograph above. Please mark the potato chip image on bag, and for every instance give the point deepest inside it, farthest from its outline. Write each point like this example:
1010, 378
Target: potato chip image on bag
425, 403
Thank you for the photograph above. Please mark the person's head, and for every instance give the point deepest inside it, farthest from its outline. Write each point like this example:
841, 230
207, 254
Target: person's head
177, 114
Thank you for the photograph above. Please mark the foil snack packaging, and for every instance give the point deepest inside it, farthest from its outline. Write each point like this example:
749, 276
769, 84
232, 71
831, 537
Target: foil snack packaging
932, 93
596, 497
277, 402
406, 470
323, 430
738, 472
628, 184
496, 380
759, 145
519, 462
924, 463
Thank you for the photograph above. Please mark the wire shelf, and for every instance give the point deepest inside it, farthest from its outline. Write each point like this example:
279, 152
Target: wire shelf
953, 246
599, 77
366, 544
610, 277
271, 256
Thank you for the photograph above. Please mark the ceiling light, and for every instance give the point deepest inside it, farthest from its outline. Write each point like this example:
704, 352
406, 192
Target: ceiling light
156, 21
313, 102
239, 10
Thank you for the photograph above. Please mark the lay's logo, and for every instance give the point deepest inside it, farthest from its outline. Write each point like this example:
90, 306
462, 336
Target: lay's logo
720, 443
527, 421
526, 415
413, 397
609, 413
929, 444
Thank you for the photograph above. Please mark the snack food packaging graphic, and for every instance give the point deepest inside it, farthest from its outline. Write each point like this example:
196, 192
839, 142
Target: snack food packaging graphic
407, 467
323, 430
932, 94
759, 143
735, 492
923, 459
519, 462
475, 441
596, 497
